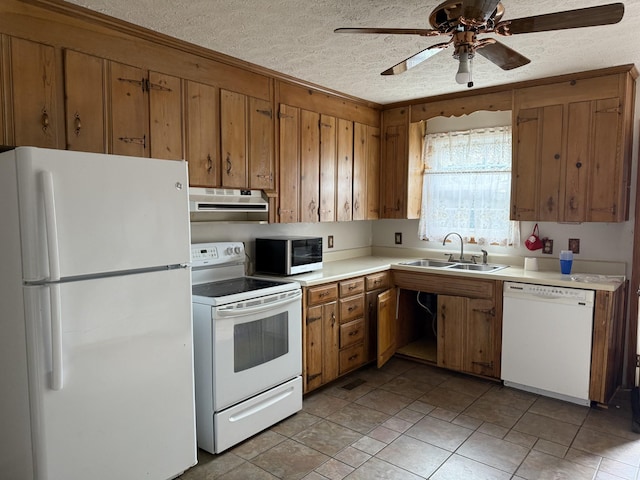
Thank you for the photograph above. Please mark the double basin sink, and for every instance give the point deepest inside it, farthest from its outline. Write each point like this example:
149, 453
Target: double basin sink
468, 267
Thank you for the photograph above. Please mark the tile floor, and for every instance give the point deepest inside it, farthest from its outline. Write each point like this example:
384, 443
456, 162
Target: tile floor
412, 421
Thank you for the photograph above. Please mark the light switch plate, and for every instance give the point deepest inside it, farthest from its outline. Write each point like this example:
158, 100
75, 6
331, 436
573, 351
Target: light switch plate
398, 238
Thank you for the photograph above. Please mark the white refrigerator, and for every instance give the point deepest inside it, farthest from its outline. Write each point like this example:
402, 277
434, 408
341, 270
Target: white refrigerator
96, 356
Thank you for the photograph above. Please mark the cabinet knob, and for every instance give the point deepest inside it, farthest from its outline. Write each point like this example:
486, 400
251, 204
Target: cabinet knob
578, 165
228, 165
45, 119
77, 124
209, 163
557, 156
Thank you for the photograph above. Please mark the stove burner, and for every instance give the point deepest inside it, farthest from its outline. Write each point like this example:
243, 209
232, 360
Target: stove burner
232, 286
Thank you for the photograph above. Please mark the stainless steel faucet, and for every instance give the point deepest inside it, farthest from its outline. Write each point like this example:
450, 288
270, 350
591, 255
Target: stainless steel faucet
444, 242
484, 256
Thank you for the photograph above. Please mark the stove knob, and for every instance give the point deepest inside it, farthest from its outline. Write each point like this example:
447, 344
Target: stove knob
229, 251
237, 250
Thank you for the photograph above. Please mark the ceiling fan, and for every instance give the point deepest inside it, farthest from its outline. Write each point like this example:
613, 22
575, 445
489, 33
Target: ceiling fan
464, 20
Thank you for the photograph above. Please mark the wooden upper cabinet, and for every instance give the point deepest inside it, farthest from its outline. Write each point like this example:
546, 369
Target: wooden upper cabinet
328, 166
309, 166
146, 113
395, 192
165, 116
344, 191
129, 123
202, 134
261, 148
366, 172
33, 112
233, 138
571, 150
246, 141
289, 172
84, 85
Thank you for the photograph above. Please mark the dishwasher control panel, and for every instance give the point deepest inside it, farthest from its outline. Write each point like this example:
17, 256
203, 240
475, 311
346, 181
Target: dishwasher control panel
549, 292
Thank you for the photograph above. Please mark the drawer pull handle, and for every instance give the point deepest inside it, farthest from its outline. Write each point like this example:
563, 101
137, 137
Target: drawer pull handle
352, 357
323, 294
355, 332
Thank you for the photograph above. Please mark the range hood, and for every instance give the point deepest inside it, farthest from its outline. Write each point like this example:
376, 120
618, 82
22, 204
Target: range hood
228, 205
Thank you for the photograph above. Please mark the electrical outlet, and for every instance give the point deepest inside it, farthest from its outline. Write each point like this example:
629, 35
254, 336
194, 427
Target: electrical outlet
574, 245
398, 238
330, 241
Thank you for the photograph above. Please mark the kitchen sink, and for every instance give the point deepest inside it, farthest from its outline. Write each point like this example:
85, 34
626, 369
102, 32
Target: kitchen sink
429, 262
478, 267
469, 267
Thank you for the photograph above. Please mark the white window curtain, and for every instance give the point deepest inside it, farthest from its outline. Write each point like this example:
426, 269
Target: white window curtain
467, 186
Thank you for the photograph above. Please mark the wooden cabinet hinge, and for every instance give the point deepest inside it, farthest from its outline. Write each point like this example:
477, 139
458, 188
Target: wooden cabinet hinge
284, 115
155, 86
141, 83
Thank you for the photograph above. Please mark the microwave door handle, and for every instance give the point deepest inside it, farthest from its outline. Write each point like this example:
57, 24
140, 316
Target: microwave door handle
265, 307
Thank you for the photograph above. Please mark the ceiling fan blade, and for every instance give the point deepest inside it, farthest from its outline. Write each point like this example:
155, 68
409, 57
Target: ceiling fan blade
414, 60
582, 17
504, 57
424, 32
479, 10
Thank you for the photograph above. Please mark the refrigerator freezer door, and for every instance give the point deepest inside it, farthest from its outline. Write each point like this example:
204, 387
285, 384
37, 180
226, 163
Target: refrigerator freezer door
101, 213
126, 406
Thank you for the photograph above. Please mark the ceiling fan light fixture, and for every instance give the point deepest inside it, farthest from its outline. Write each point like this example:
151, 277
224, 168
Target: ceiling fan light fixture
464, 68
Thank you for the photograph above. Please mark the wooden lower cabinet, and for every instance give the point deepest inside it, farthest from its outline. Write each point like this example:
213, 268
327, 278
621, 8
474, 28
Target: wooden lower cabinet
468, 335
341, 327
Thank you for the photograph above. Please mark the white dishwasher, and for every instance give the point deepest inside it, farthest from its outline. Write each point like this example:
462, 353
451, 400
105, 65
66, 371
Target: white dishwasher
546, 340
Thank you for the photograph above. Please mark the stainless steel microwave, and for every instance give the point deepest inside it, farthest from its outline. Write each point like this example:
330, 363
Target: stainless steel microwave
288, 255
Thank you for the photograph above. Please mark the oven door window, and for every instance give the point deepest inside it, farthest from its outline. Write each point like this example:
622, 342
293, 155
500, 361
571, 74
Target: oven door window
260, 341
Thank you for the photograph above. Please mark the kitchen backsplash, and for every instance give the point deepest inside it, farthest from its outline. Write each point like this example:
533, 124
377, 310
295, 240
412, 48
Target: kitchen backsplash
598, 241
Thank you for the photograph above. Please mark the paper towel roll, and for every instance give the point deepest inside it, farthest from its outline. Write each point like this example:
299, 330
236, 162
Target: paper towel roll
530, 264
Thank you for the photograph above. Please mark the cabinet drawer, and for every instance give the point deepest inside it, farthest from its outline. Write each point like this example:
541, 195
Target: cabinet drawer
322, 294
351, 358
351, 308
377, 281
352, 332
351, 287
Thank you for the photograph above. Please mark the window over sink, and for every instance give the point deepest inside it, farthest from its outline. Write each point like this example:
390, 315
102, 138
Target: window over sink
467, 186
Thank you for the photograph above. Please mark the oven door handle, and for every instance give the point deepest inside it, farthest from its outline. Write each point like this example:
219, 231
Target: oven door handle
223, 312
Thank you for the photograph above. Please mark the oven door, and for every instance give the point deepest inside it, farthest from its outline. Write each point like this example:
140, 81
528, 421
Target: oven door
257, 346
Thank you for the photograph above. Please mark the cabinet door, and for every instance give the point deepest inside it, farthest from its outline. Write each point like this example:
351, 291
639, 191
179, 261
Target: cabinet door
202, 134
34, 85
607, 193
344, 192
289, 172
393, 181
129, 111
386, 326
233, 134
578, 161
330, 342
373, 173
260, 139
452, 314
328, 165
480, 338
551, 163
309, 166
84, 83
524, 189
360, 145
165, 112
313, 345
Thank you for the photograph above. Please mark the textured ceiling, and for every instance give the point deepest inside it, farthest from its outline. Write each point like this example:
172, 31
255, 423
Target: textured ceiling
296, 37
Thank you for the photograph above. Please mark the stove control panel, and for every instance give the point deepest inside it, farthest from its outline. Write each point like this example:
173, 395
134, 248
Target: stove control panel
217, 253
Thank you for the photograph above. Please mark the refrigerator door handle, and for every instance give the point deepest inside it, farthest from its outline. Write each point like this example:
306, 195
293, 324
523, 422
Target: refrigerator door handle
56, 338
46, 179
